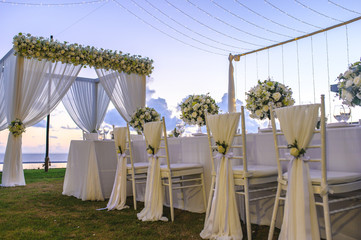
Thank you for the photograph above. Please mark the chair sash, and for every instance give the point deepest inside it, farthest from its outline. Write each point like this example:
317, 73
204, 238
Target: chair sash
300, 217
153, 199
223, 220
118, 196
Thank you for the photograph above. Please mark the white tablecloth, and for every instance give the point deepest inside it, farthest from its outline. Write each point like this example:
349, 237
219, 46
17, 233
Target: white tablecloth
90, 169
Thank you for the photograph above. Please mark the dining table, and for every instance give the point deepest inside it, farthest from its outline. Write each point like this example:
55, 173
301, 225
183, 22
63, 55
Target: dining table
343, 154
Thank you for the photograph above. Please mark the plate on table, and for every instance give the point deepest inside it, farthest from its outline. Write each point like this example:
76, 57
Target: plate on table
340, 125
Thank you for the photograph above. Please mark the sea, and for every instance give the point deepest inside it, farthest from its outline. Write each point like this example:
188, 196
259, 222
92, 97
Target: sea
36, 160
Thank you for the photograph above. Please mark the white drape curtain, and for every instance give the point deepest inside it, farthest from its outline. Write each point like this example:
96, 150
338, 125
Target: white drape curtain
3, 122
153, 199
33, 90
223, 220
300, 217
126, 91
86, 103
118, 196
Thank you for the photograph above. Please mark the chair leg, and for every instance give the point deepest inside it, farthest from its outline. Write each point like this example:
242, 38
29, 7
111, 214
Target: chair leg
171, 197
204, 192
210, 197
182, 193
246, 202
274, 214
326, 215
134, 192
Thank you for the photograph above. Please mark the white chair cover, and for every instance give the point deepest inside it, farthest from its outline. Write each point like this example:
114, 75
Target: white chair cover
300, 217
223, 220
33, 90
87, 103
127, 91
153, 199
119, 193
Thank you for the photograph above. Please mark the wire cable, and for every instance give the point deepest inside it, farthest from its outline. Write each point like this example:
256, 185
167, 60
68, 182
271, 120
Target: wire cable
291, 16
29, 4
227, 24
268, 19
344, 8
319, 13
249, 22
205, 25
159, 30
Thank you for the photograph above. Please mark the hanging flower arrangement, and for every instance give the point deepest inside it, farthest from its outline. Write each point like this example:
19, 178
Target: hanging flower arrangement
265, 94
194, 106
40, 48
349, 86
16, 127
142, 116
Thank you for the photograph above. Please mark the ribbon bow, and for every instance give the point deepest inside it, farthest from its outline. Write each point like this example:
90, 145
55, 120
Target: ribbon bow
219, 155
123, 155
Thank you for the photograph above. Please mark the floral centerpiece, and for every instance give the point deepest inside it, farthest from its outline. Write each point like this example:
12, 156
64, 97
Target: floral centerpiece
177, 131
265, 94
194, 106
16, 127
40, 48
142, 116
349, 86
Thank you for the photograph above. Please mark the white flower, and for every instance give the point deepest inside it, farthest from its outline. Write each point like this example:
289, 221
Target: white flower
349, 83
276, 96
357, 81
194, 114
265, 108
258, 113
347, 73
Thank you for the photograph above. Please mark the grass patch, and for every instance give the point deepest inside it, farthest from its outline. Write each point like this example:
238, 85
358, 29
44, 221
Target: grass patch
40, 211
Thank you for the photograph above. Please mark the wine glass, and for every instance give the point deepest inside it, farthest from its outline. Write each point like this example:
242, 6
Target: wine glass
346, 113
338, 112
106, 130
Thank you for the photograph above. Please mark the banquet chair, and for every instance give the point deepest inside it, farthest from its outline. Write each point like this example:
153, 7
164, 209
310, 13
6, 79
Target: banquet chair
179, 176
136, 171
324, 183
250, 178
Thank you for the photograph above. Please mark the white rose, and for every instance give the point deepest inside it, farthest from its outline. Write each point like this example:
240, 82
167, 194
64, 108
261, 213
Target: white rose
199, 120
347, 73
265, 108
357, 81
276, 96
258, 113
141, 116
349, 83
194, 114
349, 96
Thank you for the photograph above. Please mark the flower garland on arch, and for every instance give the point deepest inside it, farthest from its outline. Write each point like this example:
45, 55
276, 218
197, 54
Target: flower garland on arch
40, 48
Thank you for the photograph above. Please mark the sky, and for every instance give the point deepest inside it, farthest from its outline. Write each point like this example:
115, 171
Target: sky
189, 42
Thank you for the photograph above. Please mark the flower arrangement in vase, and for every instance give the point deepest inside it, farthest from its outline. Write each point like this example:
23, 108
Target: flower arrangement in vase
349, 85
142, 116
193, 109
266, 94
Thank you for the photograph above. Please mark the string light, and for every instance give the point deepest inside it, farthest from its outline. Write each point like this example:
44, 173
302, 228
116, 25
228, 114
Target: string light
319, 13
328, 75
298, 74
268, 19
205, 25
249, 22
29, 4
344, 8
189, 29
283, 67
289, 15
174, 29
230, 25
313, 72
159, 30
348, 52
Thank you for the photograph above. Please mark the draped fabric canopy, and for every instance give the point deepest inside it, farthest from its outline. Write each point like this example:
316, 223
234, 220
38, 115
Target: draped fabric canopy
87, 103
33, 90
127, 91
3, 122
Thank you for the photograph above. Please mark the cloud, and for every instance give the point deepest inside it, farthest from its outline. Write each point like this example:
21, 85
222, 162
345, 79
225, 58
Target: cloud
161, 106
251, 124
41, 124
70, 128
112, 117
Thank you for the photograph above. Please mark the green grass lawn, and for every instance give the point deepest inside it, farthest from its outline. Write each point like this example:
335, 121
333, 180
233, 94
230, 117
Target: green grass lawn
39, 211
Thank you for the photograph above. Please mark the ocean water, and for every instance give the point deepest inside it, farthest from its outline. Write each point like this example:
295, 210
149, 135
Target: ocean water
40, 157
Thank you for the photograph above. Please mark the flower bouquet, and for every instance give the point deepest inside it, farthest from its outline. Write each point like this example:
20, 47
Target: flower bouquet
193, 109
349, 86
266, 94
16, 127
142, 116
